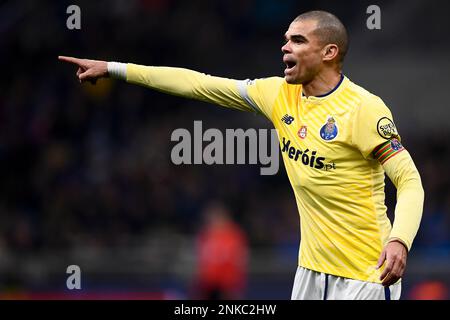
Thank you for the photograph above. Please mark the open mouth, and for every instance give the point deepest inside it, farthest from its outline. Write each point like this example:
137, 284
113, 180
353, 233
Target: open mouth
290, 64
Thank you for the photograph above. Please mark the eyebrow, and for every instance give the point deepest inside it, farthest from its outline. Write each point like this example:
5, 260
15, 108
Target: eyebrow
296, 37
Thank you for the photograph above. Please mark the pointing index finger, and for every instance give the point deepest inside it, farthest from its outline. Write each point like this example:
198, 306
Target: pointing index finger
71, 60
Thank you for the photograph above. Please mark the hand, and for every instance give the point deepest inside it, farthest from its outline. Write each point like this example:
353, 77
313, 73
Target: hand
88, 70
394, 253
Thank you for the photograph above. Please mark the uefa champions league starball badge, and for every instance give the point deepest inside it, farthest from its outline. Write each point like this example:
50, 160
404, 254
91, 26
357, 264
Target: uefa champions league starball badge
329, 130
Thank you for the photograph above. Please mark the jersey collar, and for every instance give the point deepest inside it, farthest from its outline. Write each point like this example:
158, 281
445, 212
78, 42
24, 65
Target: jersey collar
328, 94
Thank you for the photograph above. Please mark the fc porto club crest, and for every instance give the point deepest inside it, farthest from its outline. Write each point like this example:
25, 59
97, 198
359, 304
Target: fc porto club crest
396, 145
302, 132
329, 130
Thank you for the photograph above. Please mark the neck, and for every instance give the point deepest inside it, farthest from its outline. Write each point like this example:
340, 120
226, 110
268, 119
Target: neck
323, 83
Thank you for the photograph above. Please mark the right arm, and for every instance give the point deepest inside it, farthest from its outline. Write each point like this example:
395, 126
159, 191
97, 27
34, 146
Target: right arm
191, 84
245, 95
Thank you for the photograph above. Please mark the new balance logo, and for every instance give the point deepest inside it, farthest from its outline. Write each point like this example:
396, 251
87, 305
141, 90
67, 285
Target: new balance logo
287, 119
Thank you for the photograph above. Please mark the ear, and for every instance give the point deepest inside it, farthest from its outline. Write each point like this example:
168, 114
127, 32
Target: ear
330, 52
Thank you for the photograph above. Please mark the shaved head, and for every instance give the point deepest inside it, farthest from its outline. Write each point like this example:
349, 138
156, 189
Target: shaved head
329, 30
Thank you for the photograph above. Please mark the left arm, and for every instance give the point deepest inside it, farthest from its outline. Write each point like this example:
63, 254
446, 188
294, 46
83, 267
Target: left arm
408, 213
375, 135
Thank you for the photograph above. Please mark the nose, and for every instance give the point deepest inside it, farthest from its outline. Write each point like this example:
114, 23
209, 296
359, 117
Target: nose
286, 48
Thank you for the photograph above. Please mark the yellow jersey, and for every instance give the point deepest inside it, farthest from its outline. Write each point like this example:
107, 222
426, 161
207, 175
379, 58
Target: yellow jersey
333, 147
327, 144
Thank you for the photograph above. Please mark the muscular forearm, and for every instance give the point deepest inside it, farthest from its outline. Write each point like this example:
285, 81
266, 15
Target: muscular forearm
410, 196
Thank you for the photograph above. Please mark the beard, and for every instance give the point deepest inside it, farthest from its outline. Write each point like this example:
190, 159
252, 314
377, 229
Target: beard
301, 78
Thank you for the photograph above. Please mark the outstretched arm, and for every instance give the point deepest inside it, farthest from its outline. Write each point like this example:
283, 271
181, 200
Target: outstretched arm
243, 95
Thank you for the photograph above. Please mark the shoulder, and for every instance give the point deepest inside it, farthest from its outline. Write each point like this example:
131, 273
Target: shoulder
367, 102
267, 82
262, 85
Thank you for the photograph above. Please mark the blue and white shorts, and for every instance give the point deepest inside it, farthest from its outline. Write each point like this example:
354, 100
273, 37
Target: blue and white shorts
313, 285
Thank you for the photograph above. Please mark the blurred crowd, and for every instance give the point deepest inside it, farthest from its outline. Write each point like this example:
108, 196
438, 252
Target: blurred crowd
84, 163
90, 165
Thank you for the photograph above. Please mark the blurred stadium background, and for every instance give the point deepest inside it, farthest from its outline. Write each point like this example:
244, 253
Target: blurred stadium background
86, 176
